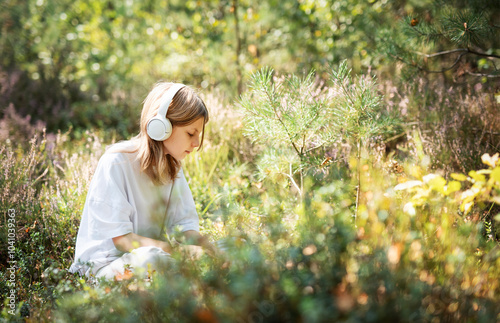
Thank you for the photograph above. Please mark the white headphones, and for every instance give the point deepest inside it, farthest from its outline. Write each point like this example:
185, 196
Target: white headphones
159, 127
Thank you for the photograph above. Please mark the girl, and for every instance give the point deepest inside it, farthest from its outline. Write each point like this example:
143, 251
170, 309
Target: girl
139, 193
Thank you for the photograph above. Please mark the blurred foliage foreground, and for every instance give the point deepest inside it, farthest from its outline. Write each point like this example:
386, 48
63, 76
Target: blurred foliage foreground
358, 236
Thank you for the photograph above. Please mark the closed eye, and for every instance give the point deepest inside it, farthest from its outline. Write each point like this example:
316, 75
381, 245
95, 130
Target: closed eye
190, 134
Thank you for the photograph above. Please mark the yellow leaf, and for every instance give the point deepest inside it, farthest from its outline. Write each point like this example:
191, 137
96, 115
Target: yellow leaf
452, 186
477, 177
427, 178
495, 174
465, 207
458, 177
437, 184
416, 171
470, 194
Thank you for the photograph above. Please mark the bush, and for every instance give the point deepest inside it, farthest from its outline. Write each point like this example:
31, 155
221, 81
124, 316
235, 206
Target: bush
44, 185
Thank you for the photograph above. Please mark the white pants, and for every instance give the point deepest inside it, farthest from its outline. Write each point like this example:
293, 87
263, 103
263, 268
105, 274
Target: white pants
140, 261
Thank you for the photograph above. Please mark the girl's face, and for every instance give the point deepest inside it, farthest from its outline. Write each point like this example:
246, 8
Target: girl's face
184, 139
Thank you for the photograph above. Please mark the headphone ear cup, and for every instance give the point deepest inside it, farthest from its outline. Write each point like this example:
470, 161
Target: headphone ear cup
159, 128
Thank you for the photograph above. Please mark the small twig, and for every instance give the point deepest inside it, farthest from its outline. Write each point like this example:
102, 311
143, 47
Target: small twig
282, 123
394, 137
315, 147
39, 177
488, 132
446, 52
483, 75
482, 135
444, 69
463, 50
483, 54
358, 188
290, 176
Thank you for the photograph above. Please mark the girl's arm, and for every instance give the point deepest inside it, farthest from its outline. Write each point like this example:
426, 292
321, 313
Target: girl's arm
196, 238
130, 241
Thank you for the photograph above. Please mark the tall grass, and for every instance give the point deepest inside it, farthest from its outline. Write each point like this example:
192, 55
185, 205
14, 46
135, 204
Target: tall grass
455, 125
44, 181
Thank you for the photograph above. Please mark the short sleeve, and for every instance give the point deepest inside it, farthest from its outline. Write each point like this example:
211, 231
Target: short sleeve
108, 208
181, 208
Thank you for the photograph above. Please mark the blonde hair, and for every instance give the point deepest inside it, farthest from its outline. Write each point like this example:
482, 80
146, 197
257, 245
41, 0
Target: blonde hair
186, 107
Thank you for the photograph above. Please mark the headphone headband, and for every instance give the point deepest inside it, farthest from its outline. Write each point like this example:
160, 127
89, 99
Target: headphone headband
168, 97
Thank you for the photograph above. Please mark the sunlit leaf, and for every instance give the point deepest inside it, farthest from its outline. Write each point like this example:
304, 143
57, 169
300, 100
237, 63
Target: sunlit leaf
465, 207
407, 185
437, 183
496, 199
458, 177
470, 194
495, 174
490, 160
427, 178
452, 186
477, 177
409, 209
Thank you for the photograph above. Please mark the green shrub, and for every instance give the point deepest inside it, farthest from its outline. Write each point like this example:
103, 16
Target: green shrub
44, 184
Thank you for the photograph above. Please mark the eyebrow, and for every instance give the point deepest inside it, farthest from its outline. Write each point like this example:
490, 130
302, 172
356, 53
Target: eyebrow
195, 130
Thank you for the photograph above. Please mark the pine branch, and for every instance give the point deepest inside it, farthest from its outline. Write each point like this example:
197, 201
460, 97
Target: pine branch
464, 51
282, 123
483, 54
315, 147
444, 69
458, 50
483, 75
446, 52
303, 145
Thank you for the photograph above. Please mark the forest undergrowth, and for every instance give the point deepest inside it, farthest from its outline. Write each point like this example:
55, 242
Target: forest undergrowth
396, 225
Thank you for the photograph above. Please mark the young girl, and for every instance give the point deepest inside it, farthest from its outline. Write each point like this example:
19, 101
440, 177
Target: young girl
138, 193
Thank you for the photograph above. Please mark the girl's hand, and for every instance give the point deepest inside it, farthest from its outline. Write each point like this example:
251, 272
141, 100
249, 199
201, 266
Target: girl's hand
191, 251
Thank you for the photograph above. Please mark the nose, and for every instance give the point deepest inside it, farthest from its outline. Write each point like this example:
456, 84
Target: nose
196, 141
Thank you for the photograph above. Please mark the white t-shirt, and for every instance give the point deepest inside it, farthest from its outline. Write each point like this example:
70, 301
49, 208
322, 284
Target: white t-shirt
121, 199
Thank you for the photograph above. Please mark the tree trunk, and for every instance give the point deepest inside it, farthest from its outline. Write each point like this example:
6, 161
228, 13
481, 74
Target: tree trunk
238, 46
